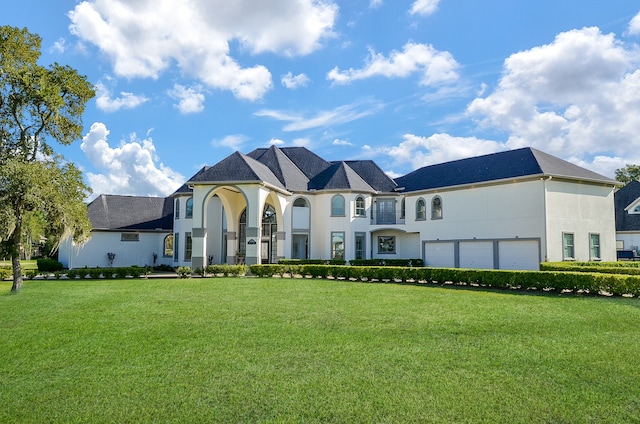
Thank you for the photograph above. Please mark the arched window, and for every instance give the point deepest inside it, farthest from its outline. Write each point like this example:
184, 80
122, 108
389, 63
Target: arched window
421, 209
189, 206
337, 205
360, 206
168, 246
300, 202
177, 209
436, 208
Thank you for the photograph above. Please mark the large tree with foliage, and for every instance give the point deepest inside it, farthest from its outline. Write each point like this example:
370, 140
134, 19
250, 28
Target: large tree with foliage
38, 105
628, 173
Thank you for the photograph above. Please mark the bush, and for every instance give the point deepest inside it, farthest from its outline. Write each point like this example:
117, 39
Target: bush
49, 265
5, 272
184, 271
387, 262
30, 274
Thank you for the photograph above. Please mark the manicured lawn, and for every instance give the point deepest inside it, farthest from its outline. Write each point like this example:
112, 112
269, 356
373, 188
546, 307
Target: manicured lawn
25, 264
292, 350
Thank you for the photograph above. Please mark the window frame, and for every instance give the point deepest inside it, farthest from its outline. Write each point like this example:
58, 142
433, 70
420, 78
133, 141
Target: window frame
176, 247
164, 246
188, 214
334, 251
566, 246
362, 252
176, 211
436, 209
421, 212
129, 237
360, 211
188, 247
335, 211
592, 246
387, 241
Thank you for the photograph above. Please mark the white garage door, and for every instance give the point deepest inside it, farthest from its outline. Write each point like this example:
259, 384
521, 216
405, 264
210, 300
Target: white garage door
519, 254
439, 254
476, 254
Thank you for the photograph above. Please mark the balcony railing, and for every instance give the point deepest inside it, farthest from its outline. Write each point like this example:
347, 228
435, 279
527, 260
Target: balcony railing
387, 218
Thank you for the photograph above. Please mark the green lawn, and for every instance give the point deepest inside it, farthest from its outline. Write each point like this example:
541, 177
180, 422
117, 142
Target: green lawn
25, 264
293, 350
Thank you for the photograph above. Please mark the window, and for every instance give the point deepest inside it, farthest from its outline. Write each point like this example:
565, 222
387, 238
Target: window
436, 208
337, 205
130, 237
177, 210
360, 206
402, 209
168, 246
189, 206
188, 246
594, 246
421, 210
386, 244
361, 245
176, 247
337, 245
567, 247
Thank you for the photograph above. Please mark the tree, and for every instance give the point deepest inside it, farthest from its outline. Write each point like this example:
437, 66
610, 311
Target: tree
628, 173
37, 105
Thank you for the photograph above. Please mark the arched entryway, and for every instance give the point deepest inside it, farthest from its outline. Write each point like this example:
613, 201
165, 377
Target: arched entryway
268, 248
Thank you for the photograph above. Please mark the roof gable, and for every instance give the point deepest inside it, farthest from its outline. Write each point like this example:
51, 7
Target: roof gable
284, 169
114, 212
339, 176
371, 173
623, 199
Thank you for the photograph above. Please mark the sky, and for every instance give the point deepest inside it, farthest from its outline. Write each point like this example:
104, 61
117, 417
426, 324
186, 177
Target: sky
181, 84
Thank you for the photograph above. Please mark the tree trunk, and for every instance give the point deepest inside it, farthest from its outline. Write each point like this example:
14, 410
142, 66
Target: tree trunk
15, 258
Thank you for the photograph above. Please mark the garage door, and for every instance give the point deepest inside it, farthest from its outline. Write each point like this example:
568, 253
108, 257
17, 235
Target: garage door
519, 254
439, 254
476, 254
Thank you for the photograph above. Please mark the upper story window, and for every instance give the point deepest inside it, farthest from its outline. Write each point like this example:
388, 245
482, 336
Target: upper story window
402, 209
360, 206
189, 207
421, 209
337, 205
177, 209
436, 208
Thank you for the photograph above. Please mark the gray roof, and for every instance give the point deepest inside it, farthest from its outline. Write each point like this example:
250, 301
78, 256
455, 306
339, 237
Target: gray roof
113, 212
497, 166
237, 167
372, 174
339, 176
622, 199
283, 167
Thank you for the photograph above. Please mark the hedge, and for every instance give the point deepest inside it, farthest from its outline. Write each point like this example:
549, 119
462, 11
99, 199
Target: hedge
5, 272
49, 265
387, 262
587, 282
602, 267
108, 273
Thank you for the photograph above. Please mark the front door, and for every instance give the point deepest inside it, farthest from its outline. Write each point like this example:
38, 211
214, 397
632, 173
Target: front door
264, 252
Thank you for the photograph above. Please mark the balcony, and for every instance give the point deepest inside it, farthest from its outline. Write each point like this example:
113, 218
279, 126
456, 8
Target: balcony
386, 217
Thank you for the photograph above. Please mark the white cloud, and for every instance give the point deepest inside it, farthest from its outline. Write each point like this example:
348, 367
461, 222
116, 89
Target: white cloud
339, 142
435, 67
59, 46
419, 151
125, 101
130, 169
143, 39
634, 25
190, 99
424, 7
575, 97
293, 82
375, 3
337, 116
233, 141
276, 142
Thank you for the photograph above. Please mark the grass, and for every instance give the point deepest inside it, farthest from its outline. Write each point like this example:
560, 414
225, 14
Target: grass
274, 350
25, 264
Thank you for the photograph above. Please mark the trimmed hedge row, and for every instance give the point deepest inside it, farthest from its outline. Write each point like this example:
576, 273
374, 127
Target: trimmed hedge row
49, 265
386, 262
602, 267
312, 262
596, 283
108, 273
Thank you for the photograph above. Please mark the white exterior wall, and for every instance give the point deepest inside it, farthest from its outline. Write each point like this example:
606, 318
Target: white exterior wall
628, 239
128, 253
580, 209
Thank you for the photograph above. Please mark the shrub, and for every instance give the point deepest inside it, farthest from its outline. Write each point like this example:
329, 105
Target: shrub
184, 271
95, 273
49, 265
30, 274
72, 274
5, 272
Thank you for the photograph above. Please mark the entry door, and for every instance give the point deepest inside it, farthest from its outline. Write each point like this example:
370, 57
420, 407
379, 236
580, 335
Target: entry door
264, 252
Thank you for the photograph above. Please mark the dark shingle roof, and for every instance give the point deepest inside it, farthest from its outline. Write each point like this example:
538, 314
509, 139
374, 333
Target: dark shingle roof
308, 162
113, 212
622, 199
281, 165
339, 176
237, 167
372, 174
497, 166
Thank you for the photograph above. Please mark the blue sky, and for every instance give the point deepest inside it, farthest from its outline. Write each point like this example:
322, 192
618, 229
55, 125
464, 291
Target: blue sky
184, 83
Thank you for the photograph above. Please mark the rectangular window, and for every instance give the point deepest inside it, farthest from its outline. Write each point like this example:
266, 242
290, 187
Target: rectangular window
176, 247
594, 246
130, 237
361, 245
337, 245
386, 244
188, 245
568, 252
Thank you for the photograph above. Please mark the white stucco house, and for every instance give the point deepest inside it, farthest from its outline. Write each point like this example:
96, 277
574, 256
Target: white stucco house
508, 210
627, 204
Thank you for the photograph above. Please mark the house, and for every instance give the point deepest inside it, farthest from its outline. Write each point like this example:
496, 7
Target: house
627, 207
507, 210
138, 230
